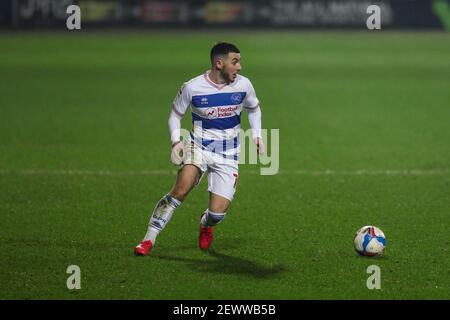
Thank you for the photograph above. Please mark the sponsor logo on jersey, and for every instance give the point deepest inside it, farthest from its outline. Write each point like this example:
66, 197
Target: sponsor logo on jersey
211, 113
219, 112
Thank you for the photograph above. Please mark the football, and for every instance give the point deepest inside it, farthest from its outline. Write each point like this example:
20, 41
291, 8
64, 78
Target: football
370, 241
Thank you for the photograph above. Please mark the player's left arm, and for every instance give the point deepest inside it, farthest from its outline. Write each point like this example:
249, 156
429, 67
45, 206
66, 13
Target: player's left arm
251, 104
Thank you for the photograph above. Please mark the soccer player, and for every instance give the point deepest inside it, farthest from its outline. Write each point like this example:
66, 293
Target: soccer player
217, 99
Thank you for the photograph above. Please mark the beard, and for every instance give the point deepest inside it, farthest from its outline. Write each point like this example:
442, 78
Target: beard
226, 76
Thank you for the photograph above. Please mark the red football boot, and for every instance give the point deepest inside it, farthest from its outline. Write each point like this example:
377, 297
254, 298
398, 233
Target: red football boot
143, 248
205, 238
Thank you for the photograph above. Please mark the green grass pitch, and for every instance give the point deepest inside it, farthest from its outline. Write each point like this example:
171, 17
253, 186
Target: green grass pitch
84, 157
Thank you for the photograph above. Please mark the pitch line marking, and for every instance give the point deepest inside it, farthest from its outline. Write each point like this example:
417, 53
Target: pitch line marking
328, 172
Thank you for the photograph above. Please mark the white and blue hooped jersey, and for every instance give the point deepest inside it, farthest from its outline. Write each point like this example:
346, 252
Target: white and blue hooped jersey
216, 112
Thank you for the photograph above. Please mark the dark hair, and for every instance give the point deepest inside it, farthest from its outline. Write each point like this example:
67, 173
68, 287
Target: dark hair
222, 48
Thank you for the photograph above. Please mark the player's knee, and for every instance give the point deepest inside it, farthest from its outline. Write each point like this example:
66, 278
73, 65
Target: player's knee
180, 192
219, 206
218, 203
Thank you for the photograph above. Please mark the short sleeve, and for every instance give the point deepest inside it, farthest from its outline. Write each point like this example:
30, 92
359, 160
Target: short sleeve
251, 102
182, 100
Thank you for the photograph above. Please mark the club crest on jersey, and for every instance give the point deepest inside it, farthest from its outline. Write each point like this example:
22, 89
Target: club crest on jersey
236, 98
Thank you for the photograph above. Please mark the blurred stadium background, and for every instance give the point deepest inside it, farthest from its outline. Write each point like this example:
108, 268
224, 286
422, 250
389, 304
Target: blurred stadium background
397, 14
364, 131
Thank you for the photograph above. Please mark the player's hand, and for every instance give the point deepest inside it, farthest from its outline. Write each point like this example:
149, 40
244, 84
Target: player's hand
260, 145
177, 153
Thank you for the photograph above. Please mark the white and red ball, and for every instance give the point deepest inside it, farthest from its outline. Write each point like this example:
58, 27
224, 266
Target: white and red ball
370, 241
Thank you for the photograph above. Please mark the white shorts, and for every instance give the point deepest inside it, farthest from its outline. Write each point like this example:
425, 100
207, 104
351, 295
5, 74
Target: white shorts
222, 173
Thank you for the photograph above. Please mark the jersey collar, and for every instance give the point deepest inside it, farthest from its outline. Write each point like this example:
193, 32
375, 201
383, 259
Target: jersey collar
215, 85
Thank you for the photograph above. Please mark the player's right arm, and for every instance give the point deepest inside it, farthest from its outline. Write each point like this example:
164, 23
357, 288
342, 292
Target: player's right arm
179, 107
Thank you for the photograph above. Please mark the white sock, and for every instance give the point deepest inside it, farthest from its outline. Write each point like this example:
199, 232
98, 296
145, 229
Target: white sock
210, 218
151, 235
161, 216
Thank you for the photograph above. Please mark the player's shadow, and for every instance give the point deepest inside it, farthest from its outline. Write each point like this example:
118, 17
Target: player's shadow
226, 264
